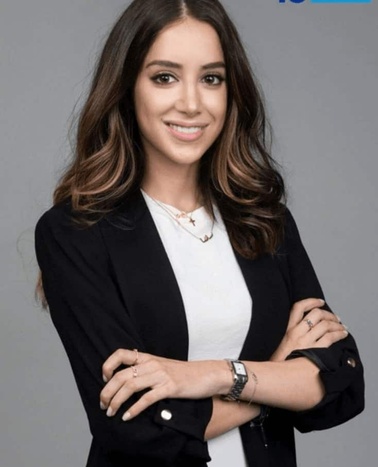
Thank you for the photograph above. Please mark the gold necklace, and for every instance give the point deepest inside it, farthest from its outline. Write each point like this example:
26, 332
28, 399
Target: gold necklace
176, 217
187, 215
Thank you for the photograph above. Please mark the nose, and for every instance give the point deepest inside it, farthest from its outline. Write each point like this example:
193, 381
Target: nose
189, 100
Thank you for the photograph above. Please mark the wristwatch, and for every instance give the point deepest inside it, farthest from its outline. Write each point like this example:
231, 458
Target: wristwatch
240, 377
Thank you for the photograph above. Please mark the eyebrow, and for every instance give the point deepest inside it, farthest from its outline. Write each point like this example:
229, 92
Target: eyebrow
169, 64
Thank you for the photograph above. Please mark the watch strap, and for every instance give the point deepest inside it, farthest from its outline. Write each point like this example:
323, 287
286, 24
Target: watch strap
239, 380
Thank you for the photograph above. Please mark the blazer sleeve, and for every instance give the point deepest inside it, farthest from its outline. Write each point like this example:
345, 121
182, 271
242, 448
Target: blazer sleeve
341, 369
92, 322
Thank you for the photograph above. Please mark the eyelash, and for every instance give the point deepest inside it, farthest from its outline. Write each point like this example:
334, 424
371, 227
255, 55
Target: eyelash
157, 77
220, 78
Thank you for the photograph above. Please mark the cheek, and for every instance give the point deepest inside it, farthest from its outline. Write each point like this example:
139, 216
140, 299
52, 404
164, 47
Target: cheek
143, 100
141, 115
150, 106
217, 104
143, 111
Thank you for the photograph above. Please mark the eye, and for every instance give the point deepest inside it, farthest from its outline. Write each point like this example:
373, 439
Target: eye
163, 78
213, 79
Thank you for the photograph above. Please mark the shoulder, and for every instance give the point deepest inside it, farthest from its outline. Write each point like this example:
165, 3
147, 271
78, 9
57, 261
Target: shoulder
290, 239
57, 216
61, 244
290, 225
289, 221
60, 220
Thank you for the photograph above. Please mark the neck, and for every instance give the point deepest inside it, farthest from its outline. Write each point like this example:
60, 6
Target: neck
179, 189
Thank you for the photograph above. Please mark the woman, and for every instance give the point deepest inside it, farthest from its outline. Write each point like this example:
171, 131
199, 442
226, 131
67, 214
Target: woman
175, 276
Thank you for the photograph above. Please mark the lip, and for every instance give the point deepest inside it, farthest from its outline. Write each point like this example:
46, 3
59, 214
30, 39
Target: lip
186, 136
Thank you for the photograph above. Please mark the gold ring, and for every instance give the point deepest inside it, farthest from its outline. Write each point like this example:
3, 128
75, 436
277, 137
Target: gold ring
309, 323
135, 371
137, 356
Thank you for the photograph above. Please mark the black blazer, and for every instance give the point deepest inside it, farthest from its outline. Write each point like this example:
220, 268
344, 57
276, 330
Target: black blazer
112, 286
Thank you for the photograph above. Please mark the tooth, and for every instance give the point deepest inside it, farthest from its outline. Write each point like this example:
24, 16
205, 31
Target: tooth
187, 130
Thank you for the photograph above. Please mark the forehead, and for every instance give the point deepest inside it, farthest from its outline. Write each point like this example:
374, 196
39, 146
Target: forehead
187, 40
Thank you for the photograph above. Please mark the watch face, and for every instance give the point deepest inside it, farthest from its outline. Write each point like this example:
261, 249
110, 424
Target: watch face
240, 368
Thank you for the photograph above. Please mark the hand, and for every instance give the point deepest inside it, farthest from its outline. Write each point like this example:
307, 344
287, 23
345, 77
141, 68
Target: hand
162, 377
309, 326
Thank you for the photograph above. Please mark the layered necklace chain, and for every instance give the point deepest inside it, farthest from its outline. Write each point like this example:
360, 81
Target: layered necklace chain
185, 215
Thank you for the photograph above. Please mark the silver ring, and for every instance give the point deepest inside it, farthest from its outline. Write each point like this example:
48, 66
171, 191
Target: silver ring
309, 323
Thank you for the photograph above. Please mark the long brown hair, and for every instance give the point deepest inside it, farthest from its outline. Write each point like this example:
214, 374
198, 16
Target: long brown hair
237, 172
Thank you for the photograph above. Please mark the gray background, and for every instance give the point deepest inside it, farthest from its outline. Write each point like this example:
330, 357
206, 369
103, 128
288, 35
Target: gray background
318, 67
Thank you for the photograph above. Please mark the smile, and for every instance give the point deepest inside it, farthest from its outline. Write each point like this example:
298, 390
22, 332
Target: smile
185, 133
187, 130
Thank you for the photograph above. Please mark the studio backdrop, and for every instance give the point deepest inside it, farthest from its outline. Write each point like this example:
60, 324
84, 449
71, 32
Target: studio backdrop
317, 64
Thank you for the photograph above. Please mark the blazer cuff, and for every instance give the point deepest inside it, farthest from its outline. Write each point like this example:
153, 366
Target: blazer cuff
337, 370
185, 415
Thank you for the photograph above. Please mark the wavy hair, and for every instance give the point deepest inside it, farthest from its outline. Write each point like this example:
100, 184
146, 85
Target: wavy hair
237, 172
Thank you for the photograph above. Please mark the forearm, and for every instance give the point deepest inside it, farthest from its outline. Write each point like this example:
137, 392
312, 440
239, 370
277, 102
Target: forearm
292, 385
229, 415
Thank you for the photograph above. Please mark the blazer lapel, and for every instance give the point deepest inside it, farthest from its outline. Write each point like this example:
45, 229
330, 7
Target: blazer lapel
152, 296
271, 306
146, 279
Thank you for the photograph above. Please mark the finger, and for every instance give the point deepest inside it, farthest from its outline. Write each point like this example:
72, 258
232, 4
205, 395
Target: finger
130, 385
113, 386
126, 391
119, 357
315, 316
330, 338
301, 307
148, 399
324, 327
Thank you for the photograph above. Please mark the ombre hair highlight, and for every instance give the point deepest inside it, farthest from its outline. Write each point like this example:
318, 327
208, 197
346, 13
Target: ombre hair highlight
237, 172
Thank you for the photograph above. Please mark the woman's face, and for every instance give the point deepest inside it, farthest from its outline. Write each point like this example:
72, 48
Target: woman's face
180, 94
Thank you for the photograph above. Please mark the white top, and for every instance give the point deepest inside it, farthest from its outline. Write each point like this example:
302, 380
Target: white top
217, 303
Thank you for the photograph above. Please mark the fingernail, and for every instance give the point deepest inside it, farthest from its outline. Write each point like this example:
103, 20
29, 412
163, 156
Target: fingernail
338, 317
346, 327
346, 332
126, 416
109, 412
105, 378
103, 406
323, 302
